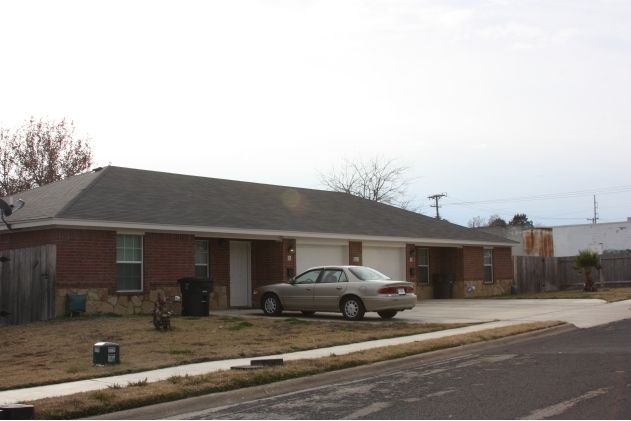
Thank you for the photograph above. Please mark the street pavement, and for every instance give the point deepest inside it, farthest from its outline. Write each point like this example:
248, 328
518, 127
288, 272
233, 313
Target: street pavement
573, 374
491, 313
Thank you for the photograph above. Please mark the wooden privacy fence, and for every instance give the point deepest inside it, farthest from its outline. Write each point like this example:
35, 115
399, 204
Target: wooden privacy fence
537, 274
27, 284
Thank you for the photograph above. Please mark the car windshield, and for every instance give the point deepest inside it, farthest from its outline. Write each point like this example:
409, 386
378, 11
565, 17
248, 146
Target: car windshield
367, 274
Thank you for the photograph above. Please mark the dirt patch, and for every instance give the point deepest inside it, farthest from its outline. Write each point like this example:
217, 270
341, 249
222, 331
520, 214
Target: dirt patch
61, 349
123, 397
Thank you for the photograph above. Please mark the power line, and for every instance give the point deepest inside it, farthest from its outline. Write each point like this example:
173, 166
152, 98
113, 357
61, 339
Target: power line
609, 190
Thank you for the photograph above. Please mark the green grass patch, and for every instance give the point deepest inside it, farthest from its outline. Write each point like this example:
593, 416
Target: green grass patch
108, 314
180, 352
294, 321
230, 319
240, 326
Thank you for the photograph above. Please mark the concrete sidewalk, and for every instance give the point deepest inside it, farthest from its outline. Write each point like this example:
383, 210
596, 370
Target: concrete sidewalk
62, 389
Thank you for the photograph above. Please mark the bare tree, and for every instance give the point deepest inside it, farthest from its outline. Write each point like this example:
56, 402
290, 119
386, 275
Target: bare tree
377, 178
41, 152
496, 221
476, 222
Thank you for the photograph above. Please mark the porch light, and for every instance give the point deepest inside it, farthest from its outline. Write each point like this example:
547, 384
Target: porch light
291, 248
412, 252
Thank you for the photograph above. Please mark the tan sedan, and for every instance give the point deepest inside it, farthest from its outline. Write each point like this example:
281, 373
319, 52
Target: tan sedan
351, 290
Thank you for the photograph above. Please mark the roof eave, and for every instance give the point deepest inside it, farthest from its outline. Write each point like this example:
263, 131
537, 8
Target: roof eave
230, 232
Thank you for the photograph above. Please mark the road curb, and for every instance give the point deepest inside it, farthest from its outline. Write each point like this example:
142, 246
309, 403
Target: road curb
216, 400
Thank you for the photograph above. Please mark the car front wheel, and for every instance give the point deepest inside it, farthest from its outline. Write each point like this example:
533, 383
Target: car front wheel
353, 308
271, 305
387, 314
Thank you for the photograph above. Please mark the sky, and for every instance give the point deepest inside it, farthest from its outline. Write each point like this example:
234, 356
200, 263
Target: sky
483, 100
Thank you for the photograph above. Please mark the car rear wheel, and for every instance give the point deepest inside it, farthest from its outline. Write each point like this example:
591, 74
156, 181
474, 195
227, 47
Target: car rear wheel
308, 313
387, 314
353, 308
271, 305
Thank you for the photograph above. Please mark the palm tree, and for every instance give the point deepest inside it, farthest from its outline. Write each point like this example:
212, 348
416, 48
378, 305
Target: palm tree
584, 262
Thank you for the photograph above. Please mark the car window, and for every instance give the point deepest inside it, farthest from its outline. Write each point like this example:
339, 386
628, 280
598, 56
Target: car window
333, 275
308, 277
367, 274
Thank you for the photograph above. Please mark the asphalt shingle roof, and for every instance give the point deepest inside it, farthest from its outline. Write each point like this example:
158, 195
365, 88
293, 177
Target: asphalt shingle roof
117, 194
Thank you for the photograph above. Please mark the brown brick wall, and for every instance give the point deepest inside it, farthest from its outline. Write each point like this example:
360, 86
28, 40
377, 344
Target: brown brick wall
219, 261
451, 262
355, 250
167, 258
267, 266
502, 263
85, 258
473, 263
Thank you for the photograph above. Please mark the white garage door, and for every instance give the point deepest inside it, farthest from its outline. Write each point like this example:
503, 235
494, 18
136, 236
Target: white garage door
388, 260
308, 256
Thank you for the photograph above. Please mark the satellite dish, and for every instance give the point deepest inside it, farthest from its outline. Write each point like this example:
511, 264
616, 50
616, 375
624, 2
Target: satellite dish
5, 208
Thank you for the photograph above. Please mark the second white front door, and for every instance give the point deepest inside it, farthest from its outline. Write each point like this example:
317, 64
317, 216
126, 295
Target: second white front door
240, 274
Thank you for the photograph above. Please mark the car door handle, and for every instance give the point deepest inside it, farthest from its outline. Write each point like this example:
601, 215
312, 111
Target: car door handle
308, 289
338, 287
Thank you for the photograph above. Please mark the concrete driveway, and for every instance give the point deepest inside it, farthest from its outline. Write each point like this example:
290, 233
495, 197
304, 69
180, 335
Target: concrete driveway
580, 312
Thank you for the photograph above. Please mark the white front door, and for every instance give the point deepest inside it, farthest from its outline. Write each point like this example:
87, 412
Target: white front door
240, 275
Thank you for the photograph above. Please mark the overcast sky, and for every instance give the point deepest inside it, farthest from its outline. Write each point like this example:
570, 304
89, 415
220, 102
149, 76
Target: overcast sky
484, 100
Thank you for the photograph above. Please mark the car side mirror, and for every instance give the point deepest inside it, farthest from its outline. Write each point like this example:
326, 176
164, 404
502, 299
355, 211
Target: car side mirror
292, 280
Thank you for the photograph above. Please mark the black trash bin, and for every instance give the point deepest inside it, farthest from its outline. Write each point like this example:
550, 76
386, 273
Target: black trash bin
443, 285
195, 295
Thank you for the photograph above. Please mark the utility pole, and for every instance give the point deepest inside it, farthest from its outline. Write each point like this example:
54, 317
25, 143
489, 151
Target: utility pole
437, 197
595, 218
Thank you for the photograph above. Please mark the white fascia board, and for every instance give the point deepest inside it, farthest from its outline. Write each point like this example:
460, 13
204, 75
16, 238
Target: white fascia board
383, 244
320, 241
239, 233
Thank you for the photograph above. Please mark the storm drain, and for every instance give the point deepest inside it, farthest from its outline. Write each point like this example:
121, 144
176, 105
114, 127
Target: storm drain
258, 364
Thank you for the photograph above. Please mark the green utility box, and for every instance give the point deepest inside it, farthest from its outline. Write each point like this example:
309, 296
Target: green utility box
104, 353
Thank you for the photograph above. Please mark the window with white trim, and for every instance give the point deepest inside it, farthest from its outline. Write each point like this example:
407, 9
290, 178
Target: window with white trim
423, 265
488, 266
128, 262
201, 258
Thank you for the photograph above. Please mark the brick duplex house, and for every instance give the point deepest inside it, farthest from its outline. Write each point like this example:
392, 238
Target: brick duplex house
121, 234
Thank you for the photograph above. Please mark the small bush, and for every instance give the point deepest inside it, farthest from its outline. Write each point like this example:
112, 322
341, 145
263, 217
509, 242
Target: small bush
139, 383
73, 369
114, 386
102, 396
180, 352
175, 379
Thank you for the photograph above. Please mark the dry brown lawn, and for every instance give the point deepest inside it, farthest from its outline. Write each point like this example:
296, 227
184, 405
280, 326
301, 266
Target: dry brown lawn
608, 294
180, 387
60, 350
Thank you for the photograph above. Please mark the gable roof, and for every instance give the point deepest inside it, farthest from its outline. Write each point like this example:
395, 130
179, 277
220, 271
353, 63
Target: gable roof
127, 198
